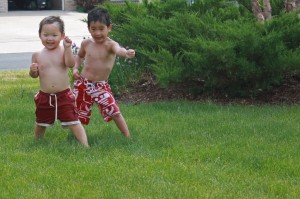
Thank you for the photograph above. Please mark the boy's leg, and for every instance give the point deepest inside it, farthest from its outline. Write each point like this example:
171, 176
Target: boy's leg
121, 124
79, 133
39, 131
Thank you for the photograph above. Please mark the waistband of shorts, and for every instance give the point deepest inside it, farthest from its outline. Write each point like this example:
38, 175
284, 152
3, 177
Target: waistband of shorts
58, 93
94, 82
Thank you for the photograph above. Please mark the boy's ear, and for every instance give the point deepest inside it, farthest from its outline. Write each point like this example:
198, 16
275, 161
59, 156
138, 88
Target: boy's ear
109, 27
63, 35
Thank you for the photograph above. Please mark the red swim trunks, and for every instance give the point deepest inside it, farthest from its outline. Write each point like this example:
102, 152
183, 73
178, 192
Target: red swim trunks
88, 92
61, 106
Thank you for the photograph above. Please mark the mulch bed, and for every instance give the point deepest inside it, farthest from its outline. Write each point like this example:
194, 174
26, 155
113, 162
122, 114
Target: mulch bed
147, 91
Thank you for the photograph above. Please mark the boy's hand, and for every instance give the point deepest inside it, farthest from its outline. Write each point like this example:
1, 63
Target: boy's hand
34, 69
76, 74
130, 53
67, 42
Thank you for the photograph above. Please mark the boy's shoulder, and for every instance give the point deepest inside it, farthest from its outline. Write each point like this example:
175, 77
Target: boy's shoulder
108, 42
111, 41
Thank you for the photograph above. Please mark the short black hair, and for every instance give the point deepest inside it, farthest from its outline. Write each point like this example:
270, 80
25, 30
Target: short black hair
51, 20
98, 14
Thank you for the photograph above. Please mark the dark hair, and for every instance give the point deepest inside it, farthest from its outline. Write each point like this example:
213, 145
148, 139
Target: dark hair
51, 20
98, 14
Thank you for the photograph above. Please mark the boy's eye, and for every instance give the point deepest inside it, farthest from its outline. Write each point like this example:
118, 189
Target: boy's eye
95, 29
47, 35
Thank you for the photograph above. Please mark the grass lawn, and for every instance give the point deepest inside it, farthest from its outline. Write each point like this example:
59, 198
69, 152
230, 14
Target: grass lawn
177, 150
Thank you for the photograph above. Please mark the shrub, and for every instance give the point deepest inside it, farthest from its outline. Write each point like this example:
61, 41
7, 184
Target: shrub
124, 73
86, 5
277, 5
215, 42
238, 61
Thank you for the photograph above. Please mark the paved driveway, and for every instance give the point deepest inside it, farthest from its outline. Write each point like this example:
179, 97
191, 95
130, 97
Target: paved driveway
19, 34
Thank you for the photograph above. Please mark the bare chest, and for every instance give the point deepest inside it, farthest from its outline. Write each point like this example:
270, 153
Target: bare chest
97, 53
50, 59
50, 62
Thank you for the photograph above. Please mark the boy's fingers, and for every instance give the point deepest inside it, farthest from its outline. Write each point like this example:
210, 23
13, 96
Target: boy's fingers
67, 39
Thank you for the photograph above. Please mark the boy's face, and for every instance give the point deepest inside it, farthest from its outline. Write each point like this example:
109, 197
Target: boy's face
51, 36
99, 31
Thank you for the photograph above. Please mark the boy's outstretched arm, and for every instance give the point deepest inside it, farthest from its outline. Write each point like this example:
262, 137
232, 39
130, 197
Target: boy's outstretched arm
123, 52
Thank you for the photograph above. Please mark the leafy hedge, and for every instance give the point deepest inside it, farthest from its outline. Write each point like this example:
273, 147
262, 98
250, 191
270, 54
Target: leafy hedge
277, 5
86, 5
216, 43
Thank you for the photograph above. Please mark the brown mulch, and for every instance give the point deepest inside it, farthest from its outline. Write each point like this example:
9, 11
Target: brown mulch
147, 91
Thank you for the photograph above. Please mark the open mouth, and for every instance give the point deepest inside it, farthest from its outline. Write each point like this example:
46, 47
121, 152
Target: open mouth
99, 38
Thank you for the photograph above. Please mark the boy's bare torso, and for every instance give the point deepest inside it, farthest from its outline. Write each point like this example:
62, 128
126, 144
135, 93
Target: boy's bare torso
53, 73
99, 59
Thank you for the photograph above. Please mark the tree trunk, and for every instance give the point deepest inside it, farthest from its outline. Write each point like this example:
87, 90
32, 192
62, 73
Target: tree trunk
291, 5
257, 10
262, 15
267, 10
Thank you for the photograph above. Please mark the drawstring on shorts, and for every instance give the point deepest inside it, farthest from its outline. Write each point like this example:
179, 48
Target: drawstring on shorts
50, 98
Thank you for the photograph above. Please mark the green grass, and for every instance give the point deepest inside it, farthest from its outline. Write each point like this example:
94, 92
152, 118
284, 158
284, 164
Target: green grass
178, 150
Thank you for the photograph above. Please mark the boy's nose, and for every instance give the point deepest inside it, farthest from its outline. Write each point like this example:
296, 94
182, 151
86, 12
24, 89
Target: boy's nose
98, 32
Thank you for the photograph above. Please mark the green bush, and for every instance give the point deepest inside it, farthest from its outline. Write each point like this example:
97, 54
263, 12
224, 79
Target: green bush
288, 26
239, 58
167, 67
124, 72
86, 5
277, 5
215, 42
